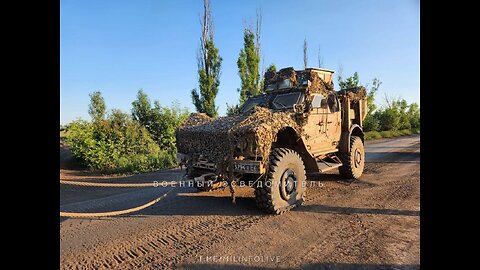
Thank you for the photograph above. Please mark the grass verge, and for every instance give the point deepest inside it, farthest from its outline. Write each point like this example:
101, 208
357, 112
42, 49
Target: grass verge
373, 135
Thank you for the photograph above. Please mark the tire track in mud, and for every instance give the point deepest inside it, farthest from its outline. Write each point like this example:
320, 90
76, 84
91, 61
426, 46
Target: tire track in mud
167, 248
356, 233
330, 187
161, 249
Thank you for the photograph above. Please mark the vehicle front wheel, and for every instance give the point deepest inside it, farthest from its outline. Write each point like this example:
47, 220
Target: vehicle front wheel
285, 183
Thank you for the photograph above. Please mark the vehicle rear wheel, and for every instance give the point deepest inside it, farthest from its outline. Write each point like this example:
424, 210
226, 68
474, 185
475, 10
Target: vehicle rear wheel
353, 161
284, 186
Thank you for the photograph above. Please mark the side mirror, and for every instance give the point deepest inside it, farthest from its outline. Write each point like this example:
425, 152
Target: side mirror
298, 108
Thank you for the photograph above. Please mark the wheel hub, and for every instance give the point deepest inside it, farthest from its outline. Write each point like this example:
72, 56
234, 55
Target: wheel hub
357, 157
288, 183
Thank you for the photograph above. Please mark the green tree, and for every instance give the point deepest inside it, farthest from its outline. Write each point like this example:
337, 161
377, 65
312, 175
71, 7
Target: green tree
209, 66
97, 107
272, 68
394, 116
414, 115
164, 122
371, 122
233, 109
159, 120
389, 119
248, 66
350, 82
142, 108
404, 121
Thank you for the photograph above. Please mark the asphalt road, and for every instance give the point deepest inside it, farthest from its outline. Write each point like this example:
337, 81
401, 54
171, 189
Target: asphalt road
372, 223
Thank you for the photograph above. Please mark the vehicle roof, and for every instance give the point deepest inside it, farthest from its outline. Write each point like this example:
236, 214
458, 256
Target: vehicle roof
319, 69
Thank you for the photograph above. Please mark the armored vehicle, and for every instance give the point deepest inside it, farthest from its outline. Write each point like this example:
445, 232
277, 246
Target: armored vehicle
298, 126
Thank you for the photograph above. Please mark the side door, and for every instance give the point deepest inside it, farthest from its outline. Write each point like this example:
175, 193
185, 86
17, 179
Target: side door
316, 127
333, 121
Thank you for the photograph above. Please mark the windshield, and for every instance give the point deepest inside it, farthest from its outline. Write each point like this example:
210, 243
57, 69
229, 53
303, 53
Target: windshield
252, 102
276, 101
286, 101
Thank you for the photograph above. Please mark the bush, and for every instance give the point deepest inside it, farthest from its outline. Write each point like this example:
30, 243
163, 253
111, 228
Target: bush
388, 119
160, 121
405, 132
371, 123
372, 135
116, 145
414, 116
387, 134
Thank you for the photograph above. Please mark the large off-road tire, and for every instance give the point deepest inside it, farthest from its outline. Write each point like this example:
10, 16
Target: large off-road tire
353, 161
285, 183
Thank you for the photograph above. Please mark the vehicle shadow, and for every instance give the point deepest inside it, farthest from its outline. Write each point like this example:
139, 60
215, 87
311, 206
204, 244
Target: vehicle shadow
392, 157
319, 266
219, 202
318, 208
205, 205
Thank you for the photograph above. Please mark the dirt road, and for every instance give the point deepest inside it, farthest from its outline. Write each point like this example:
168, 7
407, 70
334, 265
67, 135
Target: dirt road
373, 223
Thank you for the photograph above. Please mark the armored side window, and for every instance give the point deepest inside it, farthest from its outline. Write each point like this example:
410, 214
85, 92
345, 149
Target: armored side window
317, 101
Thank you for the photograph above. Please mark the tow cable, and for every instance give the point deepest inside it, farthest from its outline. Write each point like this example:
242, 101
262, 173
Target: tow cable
120, 212
92, 184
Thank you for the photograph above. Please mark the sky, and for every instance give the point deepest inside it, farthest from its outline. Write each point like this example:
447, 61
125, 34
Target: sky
120, 46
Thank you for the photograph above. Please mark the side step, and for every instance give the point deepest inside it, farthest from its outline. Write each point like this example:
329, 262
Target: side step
324, 166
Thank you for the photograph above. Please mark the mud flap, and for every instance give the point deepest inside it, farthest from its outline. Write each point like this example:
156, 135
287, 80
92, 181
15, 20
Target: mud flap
344, 144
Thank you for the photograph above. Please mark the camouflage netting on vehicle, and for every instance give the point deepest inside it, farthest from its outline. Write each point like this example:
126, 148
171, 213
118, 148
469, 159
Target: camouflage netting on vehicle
264, 125
354, 94
315, 83
207, 137
195, 119
216, 140
286, 73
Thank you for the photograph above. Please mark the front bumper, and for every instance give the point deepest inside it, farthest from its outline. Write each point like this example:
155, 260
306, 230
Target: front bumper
239, 166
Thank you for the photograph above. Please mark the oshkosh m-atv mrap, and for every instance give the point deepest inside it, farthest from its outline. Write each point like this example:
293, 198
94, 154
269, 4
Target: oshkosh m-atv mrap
300, 125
